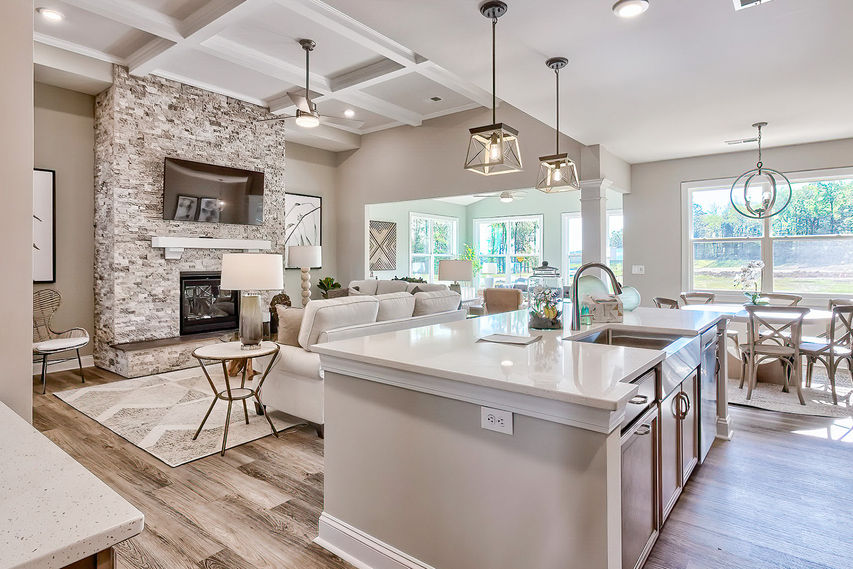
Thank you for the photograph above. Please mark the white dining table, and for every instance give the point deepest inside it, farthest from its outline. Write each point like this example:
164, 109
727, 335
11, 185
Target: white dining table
739, 314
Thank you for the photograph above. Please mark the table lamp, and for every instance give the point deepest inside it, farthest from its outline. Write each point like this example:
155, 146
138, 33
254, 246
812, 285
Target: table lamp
455, 270
305, 257
249, 273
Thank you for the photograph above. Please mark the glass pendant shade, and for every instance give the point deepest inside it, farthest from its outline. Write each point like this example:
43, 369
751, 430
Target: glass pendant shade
557, 173
493, 149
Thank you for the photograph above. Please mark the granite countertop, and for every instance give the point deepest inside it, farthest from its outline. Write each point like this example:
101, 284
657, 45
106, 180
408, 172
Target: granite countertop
54, 512
574, 372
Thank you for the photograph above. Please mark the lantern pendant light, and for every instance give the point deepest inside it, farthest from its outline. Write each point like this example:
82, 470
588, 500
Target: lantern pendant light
557, 172
761, 192
493, 149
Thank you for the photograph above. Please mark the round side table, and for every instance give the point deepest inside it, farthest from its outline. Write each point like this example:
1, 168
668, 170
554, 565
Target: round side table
223, 352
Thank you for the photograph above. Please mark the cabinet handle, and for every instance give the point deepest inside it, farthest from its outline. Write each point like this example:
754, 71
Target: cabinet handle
639, 400
681, 411
643, 430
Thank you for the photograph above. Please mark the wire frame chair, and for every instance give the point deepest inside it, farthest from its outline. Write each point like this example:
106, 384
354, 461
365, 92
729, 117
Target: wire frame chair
663, 302
45, 304
698, 297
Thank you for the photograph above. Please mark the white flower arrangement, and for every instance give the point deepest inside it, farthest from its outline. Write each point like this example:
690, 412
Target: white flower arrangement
748, 279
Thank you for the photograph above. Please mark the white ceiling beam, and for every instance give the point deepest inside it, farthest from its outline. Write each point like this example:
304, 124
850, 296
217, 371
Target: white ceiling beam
380, 107
76, 48
134, 15
209, 87
351, 29
199, 26
56, 58
443, 77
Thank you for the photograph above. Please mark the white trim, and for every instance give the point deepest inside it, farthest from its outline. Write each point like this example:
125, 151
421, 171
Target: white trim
580, 415
71, 363
361, 549
565, 266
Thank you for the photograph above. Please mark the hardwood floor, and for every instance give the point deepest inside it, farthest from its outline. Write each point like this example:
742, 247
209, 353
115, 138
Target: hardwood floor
772, 498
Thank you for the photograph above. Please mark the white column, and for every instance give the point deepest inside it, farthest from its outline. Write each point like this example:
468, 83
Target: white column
594, 219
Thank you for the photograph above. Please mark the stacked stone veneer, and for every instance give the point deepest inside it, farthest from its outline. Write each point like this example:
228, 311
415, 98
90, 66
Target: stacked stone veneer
138, 123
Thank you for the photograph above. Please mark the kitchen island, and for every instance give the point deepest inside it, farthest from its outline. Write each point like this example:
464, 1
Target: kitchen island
53, 512
449, 452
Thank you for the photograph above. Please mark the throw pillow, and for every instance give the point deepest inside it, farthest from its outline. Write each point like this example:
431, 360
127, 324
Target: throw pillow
289, 322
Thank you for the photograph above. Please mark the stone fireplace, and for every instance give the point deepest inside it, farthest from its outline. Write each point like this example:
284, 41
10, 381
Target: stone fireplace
139, 121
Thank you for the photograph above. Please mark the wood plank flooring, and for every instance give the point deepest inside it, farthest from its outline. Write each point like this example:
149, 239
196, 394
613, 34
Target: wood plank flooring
772, 498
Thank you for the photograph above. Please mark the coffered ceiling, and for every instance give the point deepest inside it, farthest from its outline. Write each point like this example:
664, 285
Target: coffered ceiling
248, 49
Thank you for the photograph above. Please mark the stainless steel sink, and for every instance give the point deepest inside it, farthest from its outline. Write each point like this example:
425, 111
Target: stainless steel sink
646, 340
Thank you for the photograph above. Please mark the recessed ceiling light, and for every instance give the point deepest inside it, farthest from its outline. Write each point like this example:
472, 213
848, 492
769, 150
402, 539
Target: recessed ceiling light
349, 113
630, 8
50, 14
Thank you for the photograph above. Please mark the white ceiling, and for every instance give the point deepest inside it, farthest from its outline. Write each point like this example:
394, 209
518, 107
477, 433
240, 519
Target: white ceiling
677, 81
248, 49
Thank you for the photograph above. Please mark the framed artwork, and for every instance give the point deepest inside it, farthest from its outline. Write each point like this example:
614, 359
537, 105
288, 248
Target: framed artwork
44, 226
186, 208
303, 216
208, 210
383, 245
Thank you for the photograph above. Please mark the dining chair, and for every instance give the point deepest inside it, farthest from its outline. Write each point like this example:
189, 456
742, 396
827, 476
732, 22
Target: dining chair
837, 349
497, 300
698, 297
773, 333
48, 342
781, 299
663, 302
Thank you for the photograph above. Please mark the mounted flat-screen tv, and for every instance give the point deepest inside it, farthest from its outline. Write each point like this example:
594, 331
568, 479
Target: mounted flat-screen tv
194, 191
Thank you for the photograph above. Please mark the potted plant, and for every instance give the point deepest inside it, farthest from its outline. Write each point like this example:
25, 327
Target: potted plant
748, 280
327, 284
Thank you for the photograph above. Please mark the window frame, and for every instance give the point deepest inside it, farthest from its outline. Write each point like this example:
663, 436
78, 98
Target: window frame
565, 266
454, 241
765, 241
540, 218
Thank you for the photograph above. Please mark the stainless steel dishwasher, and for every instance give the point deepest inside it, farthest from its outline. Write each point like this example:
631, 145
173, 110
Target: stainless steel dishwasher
709, 367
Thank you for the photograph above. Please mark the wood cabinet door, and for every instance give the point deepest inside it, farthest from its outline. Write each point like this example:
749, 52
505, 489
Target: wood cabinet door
670, 453
689, 426
640, 490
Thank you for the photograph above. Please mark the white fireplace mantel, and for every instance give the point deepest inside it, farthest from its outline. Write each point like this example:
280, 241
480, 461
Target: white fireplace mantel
174, 246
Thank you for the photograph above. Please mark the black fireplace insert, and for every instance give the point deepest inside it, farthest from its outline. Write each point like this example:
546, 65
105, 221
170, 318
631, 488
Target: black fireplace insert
205, 307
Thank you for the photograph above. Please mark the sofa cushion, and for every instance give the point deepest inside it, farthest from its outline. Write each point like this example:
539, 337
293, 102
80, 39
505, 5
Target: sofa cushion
395, 305
289, 322
426, 287
322, 315
384, 287
436, 301
362, 288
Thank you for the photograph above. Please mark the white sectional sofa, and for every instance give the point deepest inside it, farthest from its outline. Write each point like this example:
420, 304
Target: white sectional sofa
295, 383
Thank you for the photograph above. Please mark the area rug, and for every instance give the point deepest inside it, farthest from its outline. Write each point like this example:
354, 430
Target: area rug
160, 414
818, 397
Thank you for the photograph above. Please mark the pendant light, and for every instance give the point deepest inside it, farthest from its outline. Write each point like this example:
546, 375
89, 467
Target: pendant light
761, 192
557, 172
493, 149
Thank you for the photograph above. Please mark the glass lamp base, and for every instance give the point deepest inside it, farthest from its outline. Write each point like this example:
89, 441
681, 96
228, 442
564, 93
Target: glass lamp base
251, 321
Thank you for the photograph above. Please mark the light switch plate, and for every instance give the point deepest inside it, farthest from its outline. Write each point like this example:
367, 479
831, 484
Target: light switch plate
496, 420
638, 269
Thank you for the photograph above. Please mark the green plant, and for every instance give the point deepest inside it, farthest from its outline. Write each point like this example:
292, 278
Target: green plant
470, 255
409, 279
326, 284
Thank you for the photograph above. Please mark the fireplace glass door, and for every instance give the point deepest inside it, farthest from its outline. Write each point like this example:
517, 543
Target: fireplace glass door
205, 307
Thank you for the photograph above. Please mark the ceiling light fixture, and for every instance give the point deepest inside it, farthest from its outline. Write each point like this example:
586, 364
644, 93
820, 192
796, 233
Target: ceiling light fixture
349, 113
630, 8
764, 192
50, 14
557, 172
308, 118
493, 149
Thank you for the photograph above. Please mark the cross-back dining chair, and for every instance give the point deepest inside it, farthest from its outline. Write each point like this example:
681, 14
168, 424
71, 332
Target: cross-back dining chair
698, 297
837, 348
47, 341
663, 302
773, 333
782, 299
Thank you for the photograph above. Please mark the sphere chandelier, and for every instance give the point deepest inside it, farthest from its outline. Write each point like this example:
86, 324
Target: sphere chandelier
761, 192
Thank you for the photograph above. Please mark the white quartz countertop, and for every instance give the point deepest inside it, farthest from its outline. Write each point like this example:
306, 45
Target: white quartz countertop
53, 511
587, 374
654, 320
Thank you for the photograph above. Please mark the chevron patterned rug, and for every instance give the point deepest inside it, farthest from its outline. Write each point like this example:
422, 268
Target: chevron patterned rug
160, 414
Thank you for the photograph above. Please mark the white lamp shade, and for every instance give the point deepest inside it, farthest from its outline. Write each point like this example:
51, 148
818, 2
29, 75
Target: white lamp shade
455, 270
490, 268
252, 271
305, 256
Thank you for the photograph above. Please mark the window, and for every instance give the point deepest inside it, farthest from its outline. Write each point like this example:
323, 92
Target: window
512, 246
572, 245
614, 243
432, 239
806, 249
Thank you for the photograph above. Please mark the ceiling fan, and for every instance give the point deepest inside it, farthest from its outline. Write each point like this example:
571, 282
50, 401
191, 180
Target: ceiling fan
507, 196
307, 115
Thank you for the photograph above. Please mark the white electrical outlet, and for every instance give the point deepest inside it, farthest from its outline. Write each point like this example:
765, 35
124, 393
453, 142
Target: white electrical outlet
496, 420
638, 269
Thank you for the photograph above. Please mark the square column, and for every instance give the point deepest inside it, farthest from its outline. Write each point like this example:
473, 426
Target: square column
594, 219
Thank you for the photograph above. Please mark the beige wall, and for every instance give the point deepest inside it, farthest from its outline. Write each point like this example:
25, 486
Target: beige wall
312, 171
64, 141
16, 162
408, 163
653, 209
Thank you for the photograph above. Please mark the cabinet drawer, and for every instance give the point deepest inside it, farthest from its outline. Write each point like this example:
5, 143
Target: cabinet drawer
645, 398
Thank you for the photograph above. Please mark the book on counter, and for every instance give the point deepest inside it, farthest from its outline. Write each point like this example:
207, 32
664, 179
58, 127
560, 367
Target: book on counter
510, 339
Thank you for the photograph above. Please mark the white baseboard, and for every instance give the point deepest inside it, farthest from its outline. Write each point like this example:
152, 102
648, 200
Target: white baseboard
88, 361
360, 549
